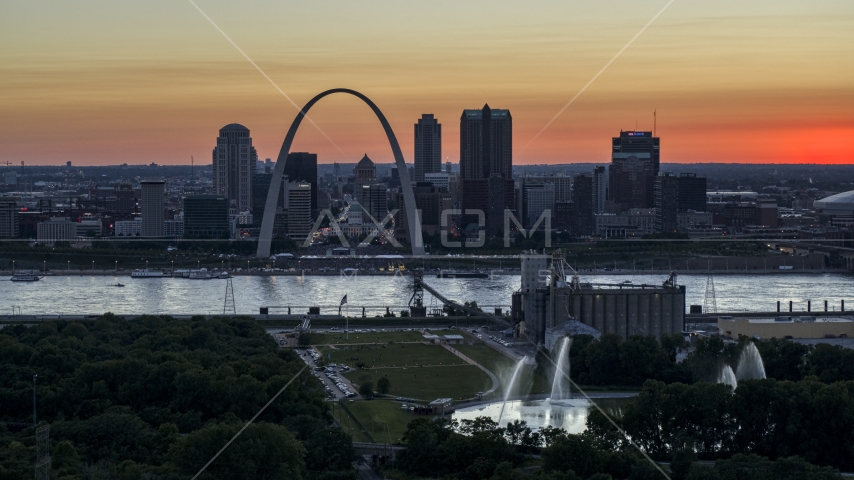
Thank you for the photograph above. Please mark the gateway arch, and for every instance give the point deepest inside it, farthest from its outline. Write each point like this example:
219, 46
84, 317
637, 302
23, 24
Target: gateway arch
265, 238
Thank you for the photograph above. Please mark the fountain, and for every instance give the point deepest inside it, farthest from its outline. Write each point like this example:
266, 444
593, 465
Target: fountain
561, 377
750, 364
727, 376
512, 384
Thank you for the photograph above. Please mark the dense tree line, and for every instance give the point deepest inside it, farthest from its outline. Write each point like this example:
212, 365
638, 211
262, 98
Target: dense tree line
612, 361
158, 397
772, 418
480, 450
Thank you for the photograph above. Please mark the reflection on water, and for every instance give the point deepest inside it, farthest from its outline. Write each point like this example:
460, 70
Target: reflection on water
570, 415
90, 295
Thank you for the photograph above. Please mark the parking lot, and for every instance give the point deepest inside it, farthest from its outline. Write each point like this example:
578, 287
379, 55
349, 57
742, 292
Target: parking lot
336, 386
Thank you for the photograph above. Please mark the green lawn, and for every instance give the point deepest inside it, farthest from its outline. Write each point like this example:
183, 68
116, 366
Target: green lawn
340, 338
384, 419
392, 355
428, 383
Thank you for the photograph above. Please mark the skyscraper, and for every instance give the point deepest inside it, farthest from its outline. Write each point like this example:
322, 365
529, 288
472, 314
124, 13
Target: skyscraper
666, 202
581, 222
600, 189
486, 164
152, 205
298, 197
234, 160
486, 143
634, 166
302, 167
428, 146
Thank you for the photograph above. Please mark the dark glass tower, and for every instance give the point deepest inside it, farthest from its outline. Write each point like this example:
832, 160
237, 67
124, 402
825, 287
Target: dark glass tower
486, 164
428, 146
302, 167
634, 166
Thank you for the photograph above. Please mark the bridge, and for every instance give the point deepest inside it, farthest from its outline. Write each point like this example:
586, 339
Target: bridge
380, 453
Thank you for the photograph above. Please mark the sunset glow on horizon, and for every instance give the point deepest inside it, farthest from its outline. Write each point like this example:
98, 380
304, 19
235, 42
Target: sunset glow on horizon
104, 83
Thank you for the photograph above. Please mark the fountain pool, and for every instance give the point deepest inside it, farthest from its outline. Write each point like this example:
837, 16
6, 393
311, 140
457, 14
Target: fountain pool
570, 415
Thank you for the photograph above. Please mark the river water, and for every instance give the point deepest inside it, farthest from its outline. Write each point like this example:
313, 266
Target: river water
76, 295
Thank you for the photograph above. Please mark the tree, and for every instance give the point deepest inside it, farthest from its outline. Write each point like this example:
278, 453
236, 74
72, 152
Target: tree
383, 385
263, 450
366, 389
571, 452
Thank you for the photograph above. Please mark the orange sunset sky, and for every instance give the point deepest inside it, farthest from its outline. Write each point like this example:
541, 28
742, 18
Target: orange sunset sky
107, 82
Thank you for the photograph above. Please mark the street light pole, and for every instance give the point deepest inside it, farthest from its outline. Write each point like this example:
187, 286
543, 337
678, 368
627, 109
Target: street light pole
34, 400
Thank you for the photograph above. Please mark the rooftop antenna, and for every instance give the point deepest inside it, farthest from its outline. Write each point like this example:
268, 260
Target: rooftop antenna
192, 176
636, 124
654, 122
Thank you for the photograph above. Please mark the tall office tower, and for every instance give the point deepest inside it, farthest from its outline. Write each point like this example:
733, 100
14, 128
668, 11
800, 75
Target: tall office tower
206, 216
374, 200
234, 160
634, 166
298, 197
486, 143
428, 202
152, 204
563, 188
486, 164
428, 146
537, 198
260, 187
666, 202
302, 167
581, 222
448, 168
600, 189
8, 218
125, 199
692, 192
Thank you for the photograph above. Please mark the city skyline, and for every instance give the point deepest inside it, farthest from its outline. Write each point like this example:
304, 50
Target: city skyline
133, 84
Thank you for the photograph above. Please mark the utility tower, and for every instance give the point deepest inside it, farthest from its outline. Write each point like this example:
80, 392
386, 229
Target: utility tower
709, 302
416, 301
43, 453
228, 305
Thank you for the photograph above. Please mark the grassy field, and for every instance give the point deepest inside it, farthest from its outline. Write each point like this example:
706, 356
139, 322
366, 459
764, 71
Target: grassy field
384, 419
392, 355
501, 365
340, 338
428, 383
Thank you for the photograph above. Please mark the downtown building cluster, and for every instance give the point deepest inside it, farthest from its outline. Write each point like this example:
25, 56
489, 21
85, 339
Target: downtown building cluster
483, 196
